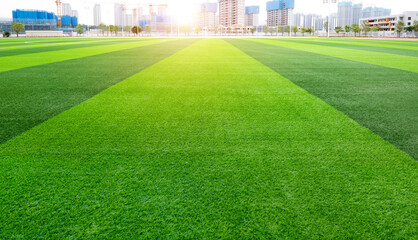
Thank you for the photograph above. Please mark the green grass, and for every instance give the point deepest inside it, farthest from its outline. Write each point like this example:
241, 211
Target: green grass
382, 99
34, 59
407, 63
38, 48
33, 95
207, 143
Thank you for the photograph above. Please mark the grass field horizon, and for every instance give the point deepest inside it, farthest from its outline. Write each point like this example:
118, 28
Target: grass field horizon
208, 138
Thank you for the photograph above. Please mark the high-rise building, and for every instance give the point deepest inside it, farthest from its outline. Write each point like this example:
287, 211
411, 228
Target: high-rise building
74, 13
207, 15
97, 14
128, 21
280, 12
375, 12
252, 15
308, 20
297, 19
66, 9
345, 14
357, 13
232, 13
119, 14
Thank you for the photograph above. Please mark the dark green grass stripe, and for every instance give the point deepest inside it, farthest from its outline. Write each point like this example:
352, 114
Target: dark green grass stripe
406, 52
42, 48
381, 99
32, 95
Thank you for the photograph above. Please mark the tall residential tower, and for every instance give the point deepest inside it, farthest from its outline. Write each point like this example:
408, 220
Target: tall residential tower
232, 13
207, 15
251, 15
280, 12
97, 14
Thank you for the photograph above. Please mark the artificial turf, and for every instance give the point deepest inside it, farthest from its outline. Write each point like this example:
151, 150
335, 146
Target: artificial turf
34, 59
393, 49
19, 50
32, 95
382, 99
207, 143
402, 62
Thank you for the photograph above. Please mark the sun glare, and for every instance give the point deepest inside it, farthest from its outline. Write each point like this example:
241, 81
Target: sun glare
184, 13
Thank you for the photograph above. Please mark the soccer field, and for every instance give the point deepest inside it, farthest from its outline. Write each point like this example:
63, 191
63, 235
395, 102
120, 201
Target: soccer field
208, 138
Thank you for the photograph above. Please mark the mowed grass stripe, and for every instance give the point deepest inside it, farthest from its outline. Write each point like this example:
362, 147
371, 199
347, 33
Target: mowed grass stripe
34, 59
401, 62
378, 41
208, 143
381, 99
392, 49
387, 44
32, 95
30, 45
54, 47
39, 41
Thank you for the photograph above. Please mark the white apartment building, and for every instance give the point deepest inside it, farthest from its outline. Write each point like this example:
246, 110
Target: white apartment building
97, 14
232, 13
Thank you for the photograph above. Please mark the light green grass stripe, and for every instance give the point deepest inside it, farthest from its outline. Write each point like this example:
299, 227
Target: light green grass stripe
376, 40
51, 44
216, 139
29, 60
406, 47
407, 63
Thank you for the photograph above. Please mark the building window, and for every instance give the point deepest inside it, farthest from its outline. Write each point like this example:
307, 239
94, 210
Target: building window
409, 18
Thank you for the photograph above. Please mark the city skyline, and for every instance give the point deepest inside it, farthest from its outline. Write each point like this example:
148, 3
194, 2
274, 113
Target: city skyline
187, 7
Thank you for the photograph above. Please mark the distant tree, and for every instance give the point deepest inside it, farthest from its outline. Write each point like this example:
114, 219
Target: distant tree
399, 27
338, 30
295, 30
356, 29
245, 30
197, 30
288, 30
415, 25
18, 27
79, 29
347, 29
111, 29
139, 29
147, 29
326, 26
116, 29
375, 29
365, 27
409, 29
280, 29
265, 30
134, 30
6, 34
127, 29
303, 31
252, 30
102, 28
271, 30
167, 30
309, 30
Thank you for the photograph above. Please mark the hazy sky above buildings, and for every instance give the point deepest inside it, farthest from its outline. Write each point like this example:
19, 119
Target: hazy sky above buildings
184, 8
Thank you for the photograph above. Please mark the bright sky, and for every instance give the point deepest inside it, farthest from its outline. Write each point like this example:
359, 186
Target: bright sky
184, 8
